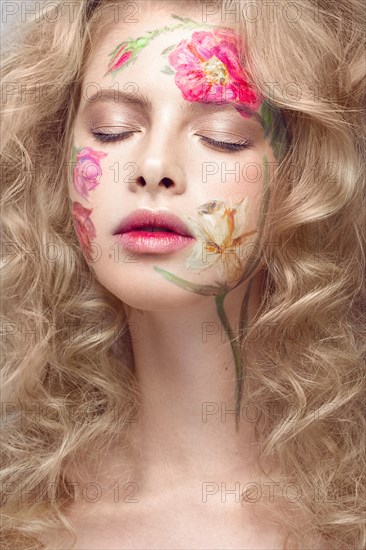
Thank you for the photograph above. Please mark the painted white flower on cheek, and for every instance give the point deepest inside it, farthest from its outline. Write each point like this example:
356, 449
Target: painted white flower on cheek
220, 233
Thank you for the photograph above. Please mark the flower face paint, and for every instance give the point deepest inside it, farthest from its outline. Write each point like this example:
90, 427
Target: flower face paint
208, 69
84, 227
220, 234
232, 236
207, 66
127, 51
191, 105
87, 169
86, 177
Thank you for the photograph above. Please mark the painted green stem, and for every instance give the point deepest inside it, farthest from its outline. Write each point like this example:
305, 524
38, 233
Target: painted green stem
204, 290
221, 289
143, 41
243, 321
239, 367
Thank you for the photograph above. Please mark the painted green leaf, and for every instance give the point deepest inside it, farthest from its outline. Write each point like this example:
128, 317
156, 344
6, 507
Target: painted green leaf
142, 42
74, 152
274, 126
267, 115
167, 70
183, 19
168, 49
117, 48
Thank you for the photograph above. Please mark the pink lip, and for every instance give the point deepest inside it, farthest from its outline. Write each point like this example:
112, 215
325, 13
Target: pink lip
174, 234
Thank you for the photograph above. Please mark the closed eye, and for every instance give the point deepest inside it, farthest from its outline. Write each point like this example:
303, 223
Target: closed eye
228, 145
240, 145
106, 138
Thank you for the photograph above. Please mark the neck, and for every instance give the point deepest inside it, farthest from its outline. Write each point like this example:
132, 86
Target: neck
186, 373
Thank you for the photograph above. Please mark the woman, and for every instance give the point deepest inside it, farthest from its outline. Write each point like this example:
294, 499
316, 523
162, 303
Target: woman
183, 267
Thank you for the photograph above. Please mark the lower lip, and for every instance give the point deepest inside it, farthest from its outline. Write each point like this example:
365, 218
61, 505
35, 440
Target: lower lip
154, 242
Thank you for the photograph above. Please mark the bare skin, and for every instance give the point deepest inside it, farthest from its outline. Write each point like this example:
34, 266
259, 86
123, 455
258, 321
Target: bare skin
186, 451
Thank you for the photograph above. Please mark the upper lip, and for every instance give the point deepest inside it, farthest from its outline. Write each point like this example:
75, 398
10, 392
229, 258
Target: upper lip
156, 218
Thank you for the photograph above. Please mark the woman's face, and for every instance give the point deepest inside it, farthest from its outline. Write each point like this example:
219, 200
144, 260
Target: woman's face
167, 122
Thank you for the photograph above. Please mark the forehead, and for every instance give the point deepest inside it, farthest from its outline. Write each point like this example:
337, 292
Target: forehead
159, 24
169, 54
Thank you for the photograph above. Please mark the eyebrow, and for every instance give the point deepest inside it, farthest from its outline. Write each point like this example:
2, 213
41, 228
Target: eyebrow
107, 95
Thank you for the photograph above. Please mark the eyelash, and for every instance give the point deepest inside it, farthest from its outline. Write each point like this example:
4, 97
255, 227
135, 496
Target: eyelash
227, 146
107, 138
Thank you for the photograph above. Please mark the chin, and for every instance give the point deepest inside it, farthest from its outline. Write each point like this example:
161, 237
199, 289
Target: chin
150, 294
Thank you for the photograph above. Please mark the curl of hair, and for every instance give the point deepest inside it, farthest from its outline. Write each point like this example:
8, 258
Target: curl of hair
67, 364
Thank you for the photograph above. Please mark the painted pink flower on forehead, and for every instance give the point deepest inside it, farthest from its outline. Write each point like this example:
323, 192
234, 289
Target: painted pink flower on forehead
208, 69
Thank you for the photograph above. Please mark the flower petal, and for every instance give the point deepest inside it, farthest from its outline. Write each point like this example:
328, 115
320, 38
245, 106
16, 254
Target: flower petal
240, 218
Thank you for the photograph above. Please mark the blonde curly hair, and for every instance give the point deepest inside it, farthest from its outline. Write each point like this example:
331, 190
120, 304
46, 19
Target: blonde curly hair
312, 69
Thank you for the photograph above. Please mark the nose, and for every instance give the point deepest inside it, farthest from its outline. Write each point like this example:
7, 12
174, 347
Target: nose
159, 166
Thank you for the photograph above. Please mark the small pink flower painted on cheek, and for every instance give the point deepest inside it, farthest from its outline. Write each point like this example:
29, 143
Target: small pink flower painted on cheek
87, 170
208, 69
84, 227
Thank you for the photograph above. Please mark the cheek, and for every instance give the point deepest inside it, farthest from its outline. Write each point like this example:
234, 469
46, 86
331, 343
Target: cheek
84, 228
87, 170
85, 178
232, 179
